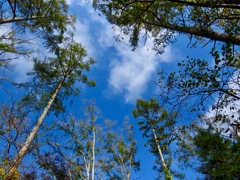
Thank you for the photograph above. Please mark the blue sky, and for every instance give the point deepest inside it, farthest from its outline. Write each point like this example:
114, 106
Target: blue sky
122, 75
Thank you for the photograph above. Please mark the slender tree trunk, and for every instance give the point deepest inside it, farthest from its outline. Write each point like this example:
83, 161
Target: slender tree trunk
93, 151
88, 171
23, 151
166, 171
87, 165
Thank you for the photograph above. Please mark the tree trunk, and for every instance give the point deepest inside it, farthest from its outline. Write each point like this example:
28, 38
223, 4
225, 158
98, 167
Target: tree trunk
33, 133
93, 151
210, 3
166, 171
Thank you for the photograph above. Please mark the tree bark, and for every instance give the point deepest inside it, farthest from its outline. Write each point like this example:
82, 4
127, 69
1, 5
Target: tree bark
214, 36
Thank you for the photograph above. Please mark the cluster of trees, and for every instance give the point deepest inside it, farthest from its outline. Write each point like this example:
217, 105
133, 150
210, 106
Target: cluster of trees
195, 88
69, 148
75, 148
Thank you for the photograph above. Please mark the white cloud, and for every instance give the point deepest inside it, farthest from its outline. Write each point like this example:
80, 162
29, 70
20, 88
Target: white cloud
69, 2
5, 30
130, 75
131, 72
106, 36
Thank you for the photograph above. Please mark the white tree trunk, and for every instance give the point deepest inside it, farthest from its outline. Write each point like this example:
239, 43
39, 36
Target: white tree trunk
160, 151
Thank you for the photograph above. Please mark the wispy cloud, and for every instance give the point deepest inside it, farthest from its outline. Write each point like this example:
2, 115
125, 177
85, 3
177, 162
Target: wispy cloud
83, 36
129, 72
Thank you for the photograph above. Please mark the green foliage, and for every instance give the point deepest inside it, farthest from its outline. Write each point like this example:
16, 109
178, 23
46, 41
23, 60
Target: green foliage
219, 156
150, 114
121, 152
55, 75
47, 20
167, 174
7, 48
12, 47
66, 67
163, 19
47, 17
209, 152
198, 83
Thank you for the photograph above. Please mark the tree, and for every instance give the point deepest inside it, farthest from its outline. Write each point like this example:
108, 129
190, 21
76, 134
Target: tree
157, 125
209, 151
45, 19
55, 165
12, 47
82, 134
215, 20
54, 79
209, 94
44, 16
98, 150
200, 20
14, 127
121, 150
199, 85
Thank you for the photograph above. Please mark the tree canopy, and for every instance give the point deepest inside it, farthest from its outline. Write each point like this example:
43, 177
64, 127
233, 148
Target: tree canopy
193, 119
203, 20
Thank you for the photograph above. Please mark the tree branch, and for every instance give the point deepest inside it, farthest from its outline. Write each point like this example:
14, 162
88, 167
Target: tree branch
11, 20
215, 36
